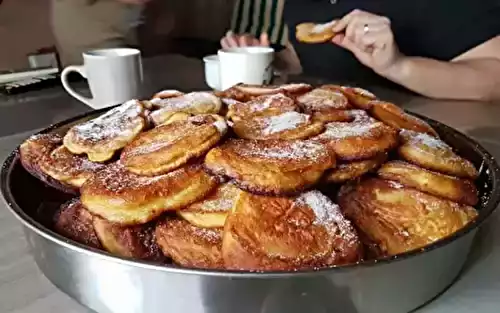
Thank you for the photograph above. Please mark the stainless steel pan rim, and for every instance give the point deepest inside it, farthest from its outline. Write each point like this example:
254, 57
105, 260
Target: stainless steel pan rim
489, 206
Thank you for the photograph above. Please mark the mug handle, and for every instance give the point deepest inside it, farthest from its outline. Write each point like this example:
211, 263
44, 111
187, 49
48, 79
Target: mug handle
64, 79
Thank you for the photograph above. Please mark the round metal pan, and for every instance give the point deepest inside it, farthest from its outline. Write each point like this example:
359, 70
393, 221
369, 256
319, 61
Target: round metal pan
106, 283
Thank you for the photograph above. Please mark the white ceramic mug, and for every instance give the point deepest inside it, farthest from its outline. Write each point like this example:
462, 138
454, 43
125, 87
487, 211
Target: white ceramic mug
212, 73
248, 65
114, 76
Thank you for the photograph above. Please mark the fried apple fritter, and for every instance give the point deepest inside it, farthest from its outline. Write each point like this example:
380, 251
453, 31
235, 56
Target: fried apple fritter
272, 166
349, 171
45, 158
136, 242
444, 186
168, 147
101, 137
75, 222
191, 103
396, 117
289, 125
399, 219
189, 245
277, 233
126, 198
212, 211
313, 33
361, 139
274, 103
434, 154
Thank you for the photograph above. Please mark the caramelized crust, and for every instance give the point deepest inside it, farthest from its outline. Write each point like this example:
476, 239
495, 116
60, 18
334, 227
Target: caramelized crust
399, 219
259, 90
434, 154
268, 104
270, 233
45, 158
396, 117
325, 105
137, 242
69, 168
101, 137
189, 245
190, 103
76, 223
170, 146
440, 185
285, 126
212, 211
272, 166
361, 139
349, 171
358, 97
166, 94
126, 198
314, 33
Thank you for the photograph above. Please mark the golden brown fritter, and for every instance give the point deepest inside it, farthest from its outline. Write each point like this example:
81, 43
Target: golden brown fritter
45, 158
126, 198
396, 117
325, 105
189, 245
277, 233
191, 103
434, 154
398, 219
349, 171
361, 139
75, 222
452, 188
289, 125
270, 167
212, 211
262, 105
170, 146
314, 33
137, 242
101, 137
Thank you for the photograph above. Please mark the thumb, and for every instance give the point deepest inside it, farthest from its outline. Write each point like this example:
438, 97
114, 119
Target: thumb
264, 40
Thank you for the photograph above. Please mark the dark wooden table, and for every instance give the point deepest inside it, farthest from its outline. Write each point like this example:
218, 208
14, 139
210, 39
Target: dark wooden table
23, 289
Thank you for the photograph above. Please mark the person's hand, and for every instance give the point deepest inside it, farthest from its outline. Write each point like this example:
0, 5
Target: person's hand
369, 37
232, 40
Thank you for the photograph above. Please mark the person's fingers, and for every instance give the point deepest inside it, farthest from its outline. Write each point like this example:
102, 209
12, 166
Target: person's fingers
232, 40
341, 25
368, 32
264, 40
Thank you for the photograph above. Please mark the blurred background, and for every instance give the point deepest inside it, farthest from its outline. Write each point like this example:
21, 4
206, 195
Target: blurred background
189, 27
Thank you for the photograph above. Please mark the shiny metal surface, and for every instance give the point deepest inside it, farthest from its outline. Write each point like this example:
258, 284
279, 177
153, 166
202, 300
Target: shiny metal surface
108, 284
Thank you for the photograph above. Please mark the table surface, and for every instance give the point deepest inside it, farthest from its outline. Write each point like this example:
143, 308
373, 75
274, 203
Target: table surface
23, 288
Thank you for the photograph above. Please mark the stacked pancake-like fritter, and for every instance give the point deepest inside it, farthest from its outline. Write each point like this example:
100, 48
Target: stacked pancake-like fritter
231, 179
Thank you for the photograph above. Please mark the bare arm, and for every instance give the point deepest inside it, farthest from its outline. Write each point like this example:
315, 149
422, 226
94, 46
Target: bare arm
474, 75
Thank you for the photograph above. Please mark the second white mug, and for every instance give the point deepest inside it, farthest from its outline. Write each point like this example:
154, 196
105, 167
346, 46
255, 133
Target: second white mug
249, 65
114, 76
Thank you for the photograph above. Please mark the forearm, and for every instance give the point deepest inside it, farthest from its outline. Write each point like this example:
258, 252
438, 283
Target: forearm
287, 61
477, 79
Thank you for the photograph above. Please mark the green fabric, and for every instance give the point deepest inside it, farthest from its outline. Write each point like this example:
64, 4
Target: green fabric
258, 16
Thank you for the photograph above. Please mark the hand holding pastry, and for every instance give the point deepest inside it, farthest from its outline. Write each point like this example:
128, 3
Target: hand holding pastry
369, 37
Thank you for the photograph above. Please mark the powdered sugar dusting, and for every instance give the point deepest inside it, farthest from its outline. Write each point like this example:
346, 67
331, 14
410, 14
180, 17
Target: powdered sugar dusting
265, 102
187, 101
209, 234
221, 126
340, 130
284, 150
327, 214
427, 140
169, 93
283, 122
321, 28
395, 184
114, 123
